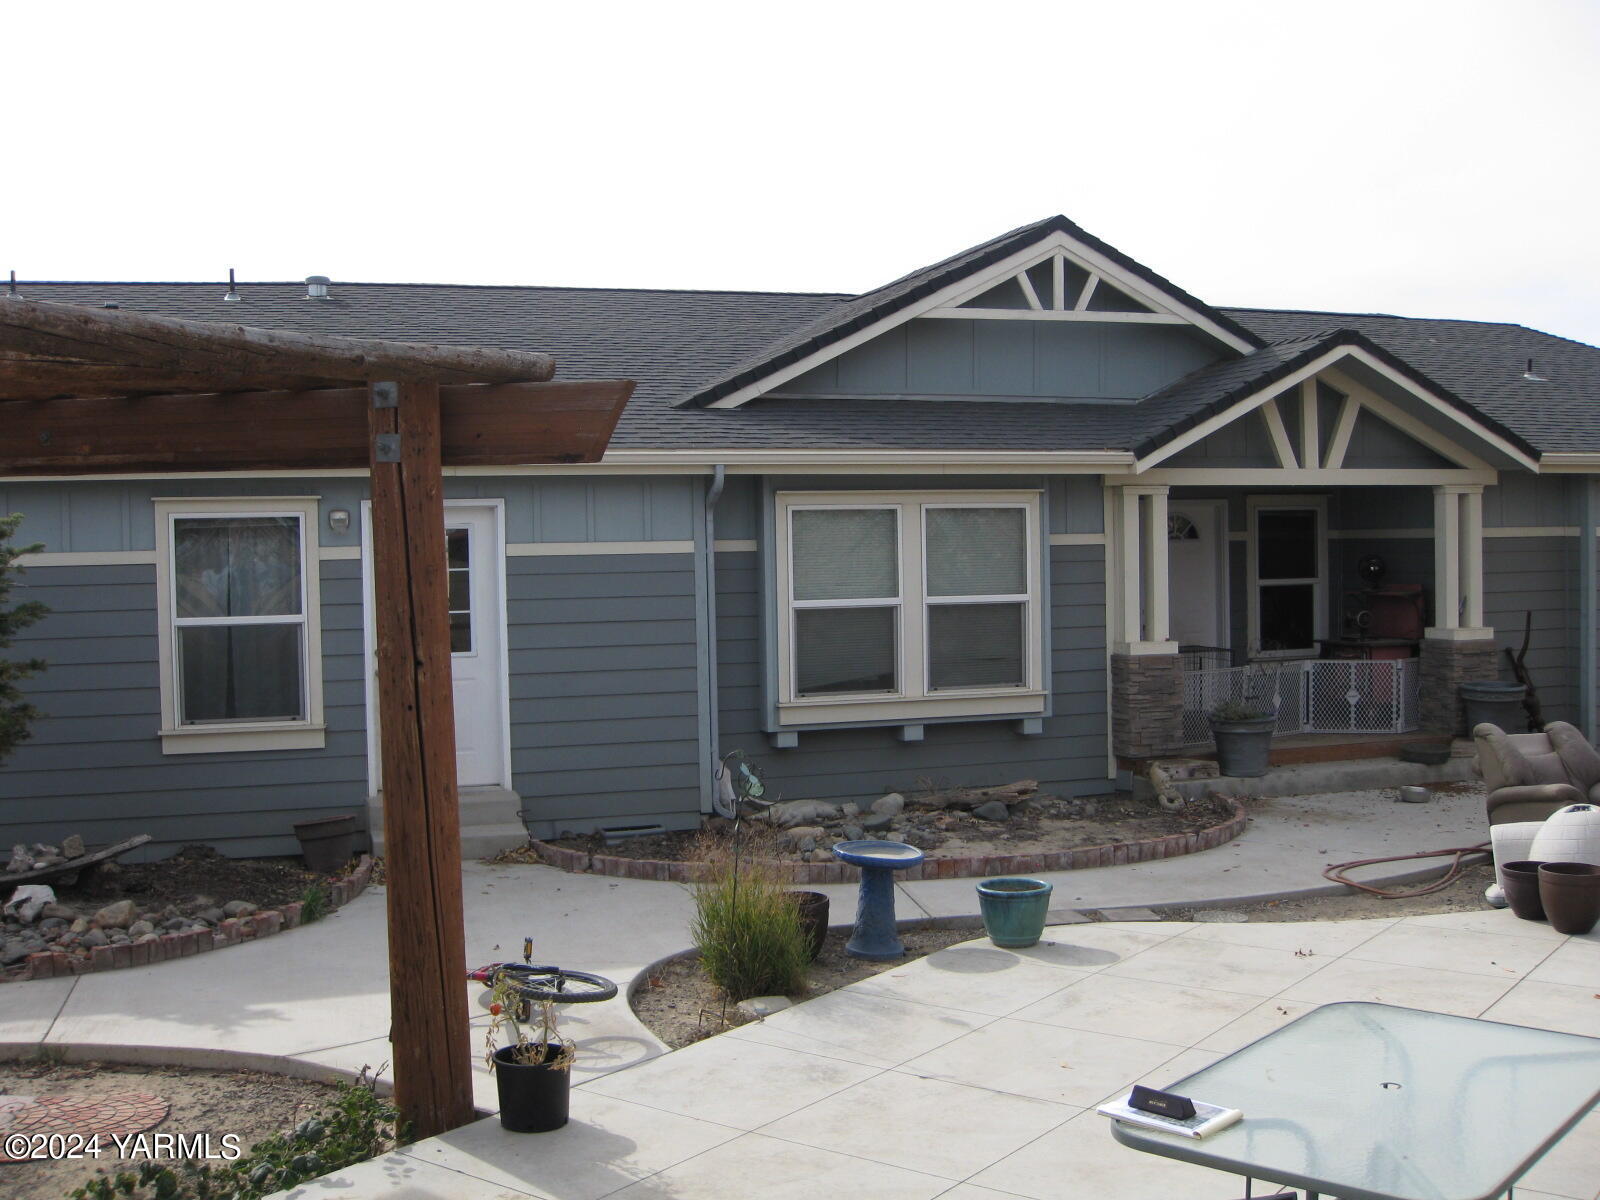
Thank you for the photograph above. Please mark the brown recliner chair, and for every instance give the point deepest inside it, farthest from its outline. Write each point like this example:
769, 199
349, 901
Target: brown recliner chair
1531, 775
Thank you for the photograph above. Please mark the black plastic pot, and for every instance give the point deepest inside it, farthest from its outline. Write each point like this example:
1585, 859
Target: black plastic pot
813, 919
327, 843
1496, 703
1570, 893
533, 1096
1521, 883
1244, 748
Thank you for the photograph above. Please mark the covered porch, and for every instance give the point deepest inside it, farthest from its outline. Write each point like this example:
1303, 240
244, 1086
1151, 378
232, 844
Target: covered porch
1319, 551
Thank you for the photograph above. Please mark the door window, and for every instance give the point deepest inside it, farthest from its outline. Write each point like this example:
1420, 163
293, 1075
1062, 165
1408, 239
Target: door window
458, 552
1288, 569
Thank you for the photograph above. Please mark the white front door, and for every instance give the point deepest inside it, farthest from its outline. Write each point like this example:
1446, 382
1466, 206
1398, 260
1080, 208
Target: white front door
1197, 572
474, 554
472, 546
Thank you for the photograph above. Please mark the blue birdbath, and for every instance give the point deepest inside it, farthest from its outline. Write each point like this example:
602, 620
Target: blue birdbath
874, 936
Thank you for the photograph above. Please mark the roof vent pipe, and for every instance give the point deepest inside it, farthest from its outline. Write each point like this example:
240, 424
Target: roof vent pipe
232, 294
1533, 375
317, 287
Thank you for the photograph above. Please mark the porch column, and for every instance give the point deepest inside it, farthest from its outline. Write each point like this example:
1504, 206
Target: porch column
1146, 672
1457, 648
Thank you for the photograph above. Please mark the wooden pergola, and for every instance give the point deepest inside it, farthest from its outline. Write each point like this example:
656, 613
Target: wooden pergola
88, 391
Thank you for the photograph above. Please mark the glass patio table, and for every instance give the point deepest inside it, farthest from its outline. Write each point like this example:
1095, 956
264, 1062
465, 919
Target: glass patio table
1372, 1102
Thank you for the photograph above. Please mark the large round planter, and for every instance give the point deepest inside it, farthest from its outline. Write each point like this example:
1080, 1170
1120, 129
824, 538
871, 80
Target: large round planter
1521, 882
1571, 895
533, 1096
1244, 748
327, 843
1570, 834
1014, 910
813, 908
1497, 703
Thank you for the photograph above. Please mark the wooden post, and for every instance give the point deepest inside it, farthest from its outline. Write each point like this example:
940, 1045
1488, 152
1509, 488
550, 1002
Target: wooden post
422, 829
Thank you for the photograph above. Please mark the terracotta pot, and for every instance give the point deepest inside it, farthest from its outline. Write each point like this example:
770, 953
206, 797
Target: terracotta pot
1571, 895
1521, 882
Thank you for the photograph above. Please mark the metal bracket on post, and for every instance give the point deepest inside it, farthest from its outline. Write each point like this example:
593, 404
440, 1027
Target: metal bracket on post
386, 395
386, 448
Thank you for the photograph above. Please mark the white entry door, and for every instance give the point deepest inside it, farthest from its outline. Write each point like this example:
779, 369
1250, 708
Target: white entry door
1197, 571
474, 554
472, 546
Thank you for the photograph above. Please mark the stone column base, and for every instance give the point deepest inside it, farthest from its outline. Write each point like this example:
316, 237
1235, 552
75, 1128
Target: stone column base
1445, 666
1146, 704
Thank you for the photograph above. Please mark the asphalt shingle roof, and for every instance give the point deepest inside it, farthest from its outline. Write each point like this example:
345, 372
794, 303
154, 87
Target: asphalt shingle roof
678, 343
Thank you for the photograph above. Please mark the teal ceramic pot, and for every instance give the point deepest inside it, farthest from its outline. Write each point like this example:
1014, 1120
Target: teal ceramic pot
1014, 910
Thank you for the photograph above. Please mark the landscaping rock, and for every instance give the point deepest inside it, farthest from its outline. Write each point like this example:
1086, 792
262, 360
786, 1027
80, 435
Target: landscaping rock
174, 924
801, 834
763, 1006
790, 813
849, 810
893, 803
139, 928
14, 950
95, 937
21, 860
238, 908
807, 845
79, 926
878, 820
51, 926
64, 912
992, 811
854, 833
119, 915
28, 901
211, 916
72, 847
820, 856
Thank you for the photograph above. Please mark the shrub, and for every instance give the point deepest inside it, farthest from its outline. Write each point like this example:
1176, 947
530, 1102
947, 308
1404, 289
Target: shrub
15, 713
313, 904
358, 1125
746, 925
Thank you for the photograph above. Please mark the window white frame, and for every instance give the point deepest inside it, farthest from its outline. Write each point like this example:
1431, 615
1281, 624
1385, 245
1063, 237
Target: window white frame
1254, 507
307, 733
914, 700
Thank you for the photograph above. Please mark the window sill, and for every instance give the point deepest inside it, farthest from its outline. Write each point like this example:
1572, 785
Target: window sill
234, 739
896, 710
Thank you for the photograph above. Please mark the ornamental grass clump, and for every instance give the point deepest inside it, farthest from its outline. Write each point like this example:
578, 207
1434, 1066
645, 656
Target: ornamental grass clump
747, 924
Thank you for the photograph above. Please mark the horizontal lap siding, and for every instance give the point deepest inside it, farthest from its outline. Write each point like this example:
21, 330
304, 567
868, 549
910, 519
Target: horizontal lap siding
94, 764
1537, 575
1069, 758
603, 690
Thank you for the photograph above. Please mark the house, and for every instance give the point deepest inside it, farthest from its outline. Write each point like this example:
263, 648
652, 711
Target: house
1028, 511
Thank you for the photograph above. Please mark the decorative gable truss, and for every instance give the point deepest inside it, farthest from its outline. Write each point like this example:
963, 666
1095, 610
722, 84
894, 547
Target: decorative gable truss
1061, 287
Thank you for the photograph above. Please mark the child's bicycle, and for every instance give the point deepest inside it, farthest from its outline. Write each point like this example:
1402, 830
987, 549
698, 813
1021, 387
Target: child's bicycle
542, 984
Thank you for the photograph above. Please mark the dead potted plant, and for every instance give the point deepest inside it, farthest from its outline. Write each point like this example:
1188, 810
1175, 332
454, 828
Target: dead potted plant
533, 1074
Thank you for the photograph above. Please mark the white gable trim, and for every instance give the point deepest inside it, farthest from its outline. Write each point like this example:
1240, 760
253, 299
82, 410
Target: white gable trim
1324, 366
976, 284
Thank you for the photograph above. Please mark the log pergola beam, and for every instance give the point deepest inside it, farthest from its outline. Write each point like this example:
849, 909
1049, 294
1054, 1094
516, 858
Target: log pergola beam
49, 350
94, 392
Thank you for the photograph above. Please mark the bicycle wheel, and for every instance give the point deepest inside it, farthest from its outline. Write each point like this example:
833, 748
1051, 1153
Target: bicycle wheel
559, 985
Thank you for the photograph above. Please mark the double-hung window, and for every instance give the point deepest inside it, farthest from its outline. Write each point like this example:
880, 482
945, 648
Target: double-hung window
240, 657
900, 606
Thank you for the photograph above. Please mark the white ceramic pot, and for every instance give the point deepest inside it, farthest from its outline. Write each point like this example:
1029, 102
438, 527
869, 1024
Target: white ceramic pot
1513, 842
1570, 834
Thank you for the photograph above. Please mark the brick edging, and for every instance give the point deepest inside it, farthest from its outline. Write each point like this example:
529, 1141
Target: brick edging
54, 964
1116, 854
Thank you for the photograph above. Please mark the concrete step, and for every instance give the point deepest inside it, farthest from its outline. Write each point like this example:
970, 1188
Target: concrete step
1355, 775
491, 821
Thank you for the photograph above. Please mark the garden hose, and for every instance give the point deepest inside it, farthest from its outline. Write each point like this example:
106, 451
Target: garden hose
1335, 871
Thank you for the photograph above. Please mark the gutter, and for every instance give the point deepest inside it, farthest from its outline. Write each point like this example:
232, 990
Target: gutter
713, 714
1588, 606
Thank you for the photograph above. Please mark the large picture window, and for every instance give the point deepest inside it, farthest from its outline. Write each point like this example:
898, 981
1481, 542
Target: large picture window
238, 636
906, 605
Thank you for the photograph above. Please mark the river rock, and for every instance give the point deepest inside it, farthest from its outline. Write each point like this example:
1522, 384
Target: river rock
51, 926
800, 834
95, 937
118, 915
877, 820
854, 833
72, 846
21, 860
140, 927
64, 912
79, 926
238, 908
790, 813
994, 810
211, 916
763, 1006
893, 804
14, 950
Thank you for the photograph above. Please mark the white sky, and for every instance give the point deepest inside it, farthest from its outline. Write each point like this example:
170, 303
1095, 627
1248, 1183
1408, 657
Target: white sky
1430, 159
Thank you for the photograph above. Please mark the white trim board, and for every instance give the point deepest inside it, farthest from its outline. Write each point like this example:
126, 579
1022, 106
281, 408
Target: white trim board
558, 549
88, 558
976, 284
1077, 539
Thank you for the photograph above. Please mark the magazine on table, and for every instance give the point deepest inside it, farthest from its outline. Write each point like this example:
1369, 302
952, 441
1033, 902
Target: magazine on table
1207, 1119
